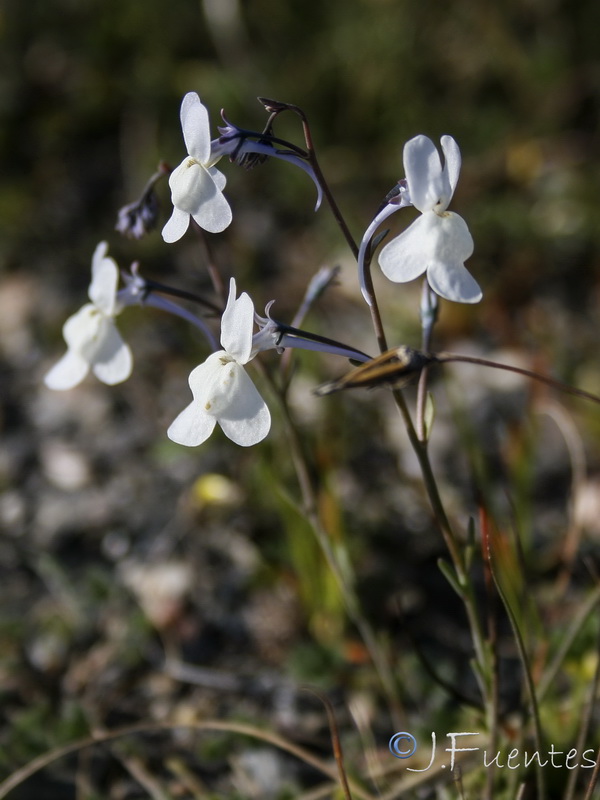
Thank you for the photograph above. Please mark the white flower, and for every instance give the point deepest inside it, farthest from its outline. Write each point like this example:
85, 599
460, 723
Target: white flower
438, 242
222, 390
91, 335
196, 185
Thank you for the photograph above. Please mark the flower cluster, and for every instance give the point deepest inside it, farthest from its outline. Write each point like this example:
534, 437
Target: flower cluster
436, 244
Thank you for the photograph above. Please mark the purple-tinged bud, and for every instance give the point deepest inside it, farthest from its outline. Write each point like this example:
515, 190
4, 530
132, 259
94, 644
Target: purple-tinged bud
137, 219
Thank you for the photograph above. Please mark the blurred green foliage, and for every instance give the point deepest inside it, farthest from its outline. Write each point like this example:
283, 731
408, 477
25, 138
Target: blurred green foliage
90, 90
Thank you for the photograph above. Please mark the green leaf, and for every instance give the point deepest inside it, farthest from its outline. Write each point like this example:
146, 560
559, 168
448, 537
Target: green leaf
450, 575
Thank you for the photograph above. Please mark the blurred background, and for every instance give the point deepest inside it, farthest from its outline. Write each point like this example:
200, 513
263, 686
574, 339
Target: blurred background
124, 556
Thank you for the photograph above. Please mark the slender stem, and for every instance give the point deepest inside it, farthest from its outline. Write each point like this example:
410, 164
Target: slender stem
419, 446
155, 286
335, 210
443, 523
318, 284
39, 763
439, 512
164, 304
332, 203
492, 630
445, 358
335, 742
312, 159
594, 779
373, 304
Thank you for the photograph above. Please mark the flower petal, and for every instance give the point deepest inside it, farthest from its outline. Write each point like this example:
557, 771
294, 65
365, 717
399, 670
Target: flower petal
190, 184
99, 253
105, 278
192, 427
427, 183
82, 330
246, 420
446, 272
212, 384
196, 127
68, 372
452, 162
218, 177
440, 239
453, 243
214, 215
237, 324
454, 282
194, 191
406, 256
176, 226
112, 362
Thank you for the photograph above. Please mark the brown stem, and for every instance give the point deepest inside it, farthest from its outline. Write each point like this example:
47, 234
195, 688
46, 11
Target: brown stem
242, 729
374, 306
335, 741
445, 358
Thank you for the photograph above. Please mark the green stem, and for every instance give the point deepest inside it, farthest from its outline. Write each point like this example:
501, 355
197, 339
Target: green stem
420, 446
